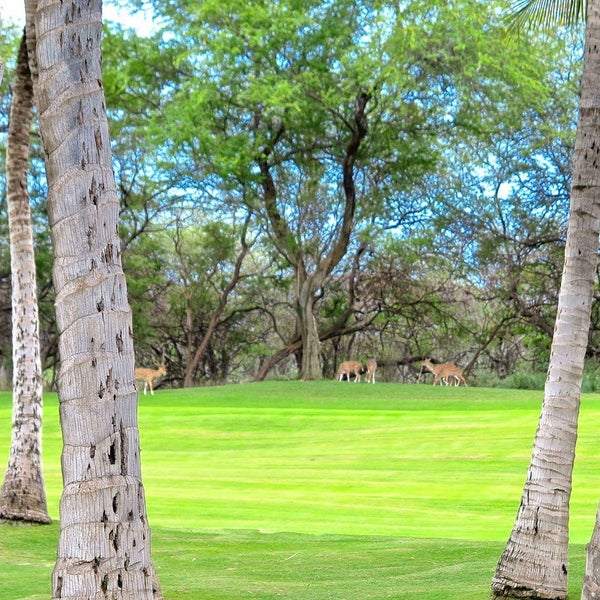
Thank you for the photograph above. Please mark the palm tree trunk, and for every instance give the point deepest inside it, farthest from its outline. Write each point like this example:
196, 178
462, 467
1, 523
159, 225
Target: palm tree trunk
534, 562
104, 546
591, 580
591, 104
23, 495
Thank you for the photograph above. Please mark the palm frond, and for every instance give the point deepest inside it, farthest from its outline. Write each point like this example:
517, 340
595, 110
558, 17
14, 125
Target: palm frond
546, 14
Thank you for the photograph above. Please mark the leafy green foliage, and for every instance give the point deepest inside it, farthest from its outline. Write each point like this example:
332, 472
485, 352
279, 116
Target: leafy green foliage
466, 163
467, 156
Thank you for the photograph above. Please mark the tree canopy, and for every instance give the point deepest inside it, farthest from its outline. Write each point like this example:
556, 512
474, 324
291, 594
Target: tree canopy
301, 182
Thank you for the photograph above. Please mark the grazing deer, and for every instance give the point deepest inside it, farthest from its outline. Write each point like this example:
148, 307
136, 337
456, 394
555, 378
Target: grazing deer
349, 367
371, 368
444, 371
149, 375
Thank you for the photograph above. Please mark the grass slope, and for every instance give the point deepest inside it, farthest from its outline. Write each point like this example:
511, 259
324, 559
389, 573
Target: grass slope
322, 490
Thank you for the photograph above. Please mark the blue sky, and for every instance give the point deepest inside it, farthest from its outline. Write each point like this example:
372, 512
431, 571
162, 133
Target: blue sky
14, 10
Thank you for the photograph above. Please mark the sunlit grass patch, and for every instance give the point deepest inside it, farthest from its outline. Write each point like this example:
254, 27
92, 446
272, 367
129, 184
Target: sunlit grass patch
313, 490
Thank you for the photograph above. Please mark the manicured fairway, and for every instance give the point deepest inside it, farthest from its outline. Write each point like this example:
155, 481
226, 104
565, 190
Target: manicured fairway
323, 490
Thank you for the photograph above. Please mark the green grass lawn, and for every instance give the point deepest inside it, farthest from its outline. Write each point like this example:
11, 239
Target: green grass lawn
323, 491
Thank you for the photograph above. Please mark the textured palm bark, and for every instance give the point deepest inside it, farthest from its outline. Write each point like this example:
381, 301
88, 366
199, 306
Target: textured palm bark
104, 546
588, 154
23, 494
591, 580
534, 562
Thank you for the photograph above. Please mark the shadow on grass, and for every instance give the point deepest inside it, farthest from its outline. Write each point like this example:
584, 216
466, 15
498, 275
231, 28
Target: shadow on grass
234, 564
229, 565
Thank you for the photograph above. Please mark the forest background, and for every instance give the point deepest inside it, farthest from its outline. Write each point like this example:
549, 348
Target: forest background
299, 188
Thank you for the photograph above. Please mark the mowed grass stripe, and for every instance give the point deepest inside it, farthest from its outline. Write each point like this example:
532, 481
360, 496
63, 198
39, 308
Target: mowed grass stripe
448, 462
212, 457
323, 490
234, 564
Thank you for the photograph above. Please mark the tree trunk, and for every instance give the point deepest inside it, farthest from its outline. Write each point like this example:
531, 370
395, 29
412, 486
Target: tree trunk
588, 152
591, 580
311, 367
338, 329
534, 562
23, 495
104, 546
290, 246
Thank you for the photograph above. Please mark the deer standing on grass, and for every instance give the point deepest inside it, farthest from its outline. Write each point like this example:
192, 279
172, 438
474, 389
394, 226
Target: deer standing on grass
349, 367
148, 376
371, 368
444, 371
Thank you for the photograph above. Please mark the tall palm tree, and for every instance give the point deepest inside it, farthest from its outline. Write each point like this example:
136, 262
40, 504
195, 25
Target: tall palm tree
104, 546
534, 561
23, 495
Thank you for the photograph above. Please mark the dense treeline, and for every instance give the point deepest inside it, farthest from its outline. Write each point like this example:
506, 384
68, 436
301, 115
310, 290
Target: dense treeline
300, 187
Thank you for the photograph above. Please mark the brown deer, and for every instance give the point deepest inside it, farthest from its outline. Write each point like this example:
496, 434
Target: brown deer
371, 368
444, 371
348, 368
149, 375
